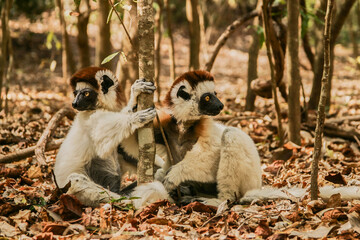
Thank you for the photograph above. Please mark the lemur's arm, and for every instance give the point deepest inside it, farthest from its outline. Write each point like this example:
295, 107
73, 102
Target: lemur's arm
108, 129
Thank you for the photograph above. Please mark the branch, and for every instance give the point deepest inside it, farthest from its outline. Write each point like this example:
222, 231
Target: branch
53, 123
122, 23
323, 98
28, 152
226, 34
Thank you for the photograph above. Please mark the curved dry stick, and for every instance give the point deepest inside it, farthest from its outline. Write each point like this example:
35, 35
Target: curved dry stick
226, 34
53, 123
28, 152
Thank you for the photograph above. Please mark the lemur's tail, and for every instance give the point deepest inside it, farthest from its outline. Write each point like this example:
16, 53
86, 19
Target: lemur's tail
347, 193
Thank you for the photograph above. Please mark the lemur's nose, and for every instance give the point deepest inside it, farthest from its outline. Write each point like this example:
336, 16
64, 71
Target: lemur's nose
74, 105
221, 106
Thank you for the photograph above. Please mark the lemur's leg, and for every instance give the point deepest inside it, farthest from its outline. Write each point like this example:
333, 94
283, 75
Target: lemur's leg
88, 192
198, 165
239, 166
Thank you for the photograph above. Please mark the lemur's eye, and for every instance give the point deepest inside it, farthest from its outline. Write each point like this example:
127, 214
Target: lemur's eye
87, 94
207, 98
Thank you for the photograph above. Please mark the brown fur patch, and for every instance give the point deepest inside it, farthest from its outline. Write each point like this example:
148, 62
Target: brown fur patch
164, 117
202, 127
193, 77
86, 75
120, 96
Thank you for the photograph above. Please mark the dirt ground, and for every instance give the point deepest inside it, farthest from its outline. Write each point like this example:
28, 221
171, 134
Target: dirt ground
30, 206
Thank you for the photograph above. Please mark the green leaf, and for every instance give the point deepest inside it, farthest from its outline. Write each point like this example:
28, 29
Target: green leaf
77, 2
131, 198
49, 39
109, 58
111, 12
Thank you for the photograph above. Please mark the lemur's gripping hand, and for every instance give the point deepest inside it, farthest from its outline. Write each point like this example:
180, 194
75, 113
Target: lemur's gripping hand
141, 86
143, 117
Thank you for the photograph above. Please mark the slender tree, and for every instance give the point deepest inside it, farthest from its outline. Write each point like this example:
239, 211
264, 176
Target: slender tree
339, 21
127, 68
145, 168
268, 34
6, 61
103, 43
68, 63
158, 17
192, 15
170, 33
253, 62
293, 73
83, 39
323, 99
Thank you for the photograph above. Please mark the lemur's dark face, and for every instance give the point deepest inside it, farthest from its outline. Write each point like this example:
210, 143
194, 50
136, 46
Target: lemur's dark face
209, 104
85, 99
192, 102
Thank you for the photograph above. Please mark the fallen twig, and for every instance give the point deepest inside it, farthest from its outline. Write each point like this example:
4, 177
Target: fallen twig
342, 119
53, 123
28, 152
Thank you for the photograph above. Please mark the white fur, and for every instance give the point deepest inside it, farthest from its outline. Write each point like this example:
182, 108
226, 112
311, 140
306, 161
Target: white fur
108, 100
225, 155
82, 85
185, 110
98, 134
234, 165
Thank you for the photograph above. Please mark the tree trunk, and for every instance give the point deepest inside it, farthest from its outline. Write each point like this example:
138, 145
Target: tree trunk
68, 63
83, 38
253, 63
172, 49
158, 17
323, 99
293, 73
319, 59
252, 69
145, 15
5, 59
353, 34
127, 69
194, 33
266, 10
103, 43
305, 36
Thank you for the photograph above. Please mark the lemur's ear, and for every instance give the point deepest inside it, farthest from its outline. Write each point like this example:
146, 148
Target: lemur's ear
181, 93
106, 83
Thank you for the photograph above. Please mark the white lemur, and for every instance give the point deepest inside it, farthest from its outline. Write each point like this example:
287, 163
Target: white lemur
208, 152
89, 157
203, 150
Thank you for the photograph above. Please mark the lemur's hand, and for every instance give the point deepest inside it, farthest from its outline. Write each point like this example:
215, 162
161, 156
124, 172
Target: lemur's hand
141, 86
144, 116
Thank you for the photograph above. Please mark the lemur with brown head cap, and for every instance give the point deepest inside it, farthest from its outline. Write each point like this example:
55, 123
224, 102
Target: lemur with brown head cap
204, 151
88, 157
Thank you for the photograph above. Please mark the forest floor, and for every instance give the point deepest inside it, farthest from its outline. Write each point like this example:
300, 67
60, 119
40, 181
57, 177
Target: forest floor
30, 205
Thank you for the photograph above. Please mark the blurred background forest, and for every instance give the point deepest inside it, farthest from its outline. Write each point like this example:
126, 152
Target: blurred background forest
43, 42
